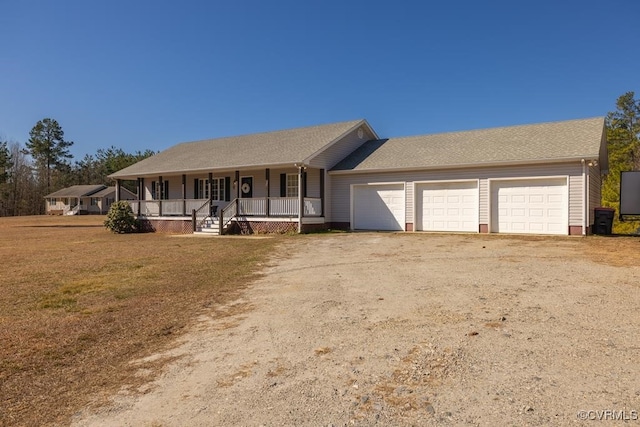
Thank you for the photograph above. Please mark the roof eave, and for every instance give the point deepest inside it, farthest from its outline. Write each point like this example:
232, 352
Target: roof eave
205, 170
466, 165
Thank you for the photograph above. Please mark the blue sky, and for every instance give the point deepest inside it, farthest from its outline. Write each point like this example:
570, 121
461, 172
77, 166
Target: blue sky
148, 74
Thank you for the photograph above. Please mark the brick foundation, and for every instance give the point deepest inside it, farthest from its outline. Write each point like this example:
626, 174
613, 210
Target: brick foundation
165, 226
484, 228
408, 226
259, 227
147, 225
575, 230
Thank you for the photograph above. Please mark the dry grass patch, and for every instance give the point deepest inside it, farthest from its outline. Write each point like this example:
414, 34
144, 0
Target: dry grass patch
78, 303
618, 251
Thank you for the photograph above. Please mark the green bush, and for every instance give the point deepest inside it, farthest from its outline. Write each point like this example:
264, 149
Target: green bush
120, 218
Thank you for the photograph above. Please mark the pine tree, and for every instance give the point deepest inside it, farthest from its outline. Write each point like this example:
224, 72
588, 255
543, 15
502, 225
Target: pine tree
48, 147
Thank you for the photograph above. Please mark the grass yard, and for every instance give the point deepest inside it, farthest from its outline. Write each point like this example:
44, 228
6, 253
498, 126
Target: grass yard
78, 303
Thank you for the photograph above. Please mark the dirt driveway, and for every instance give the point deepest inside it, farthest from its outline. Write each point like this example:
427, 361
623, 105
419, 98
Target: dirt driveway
408, 329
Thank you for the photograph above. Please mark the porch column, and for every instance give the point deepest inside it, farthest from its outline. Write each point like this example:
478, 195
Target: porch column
301, 169
161, 193
184, 195
321, 192
236, 184
267, 172
118, 184
140, 194
210, 191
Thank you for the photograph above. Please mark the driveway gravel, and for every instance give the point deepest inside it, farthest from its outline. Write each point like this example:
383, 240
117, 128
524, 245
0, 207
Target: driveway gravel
406, 329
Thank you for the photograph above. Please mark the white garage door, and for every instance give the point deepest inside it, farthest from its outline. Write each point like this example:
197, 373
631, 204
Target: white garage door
447, 206
378, 207
535, 206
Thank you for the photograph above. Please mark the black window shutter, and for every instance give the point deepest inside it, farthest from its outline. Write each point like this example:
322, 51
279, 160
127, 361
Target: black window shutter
283, 185
227, 188
304, 183
166, 190
195, 188
153, 190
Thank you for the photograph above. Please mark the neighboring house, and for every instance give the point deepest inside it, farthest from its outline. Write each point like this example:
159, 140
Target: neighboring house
536, 179
84, 199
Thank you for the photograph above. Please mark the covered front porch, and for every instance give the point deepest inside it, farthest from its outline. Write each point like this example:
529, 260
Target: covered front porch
274, 195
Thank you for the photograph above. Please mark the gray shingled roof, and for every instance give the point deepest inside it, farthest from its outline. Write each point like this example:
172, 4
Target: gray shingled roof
573, 139
260, 149
76, 191
105, 191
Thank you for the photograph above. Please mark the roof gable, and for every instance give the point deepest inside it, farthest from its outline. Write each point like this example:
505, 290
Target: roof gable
259, 150
565, 140
77, 191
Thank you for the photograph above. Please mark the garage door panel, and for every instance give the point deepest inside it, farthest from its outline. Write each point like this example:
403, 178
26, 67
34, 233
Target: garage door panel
469, 199
530, 206
378, 207
446, 206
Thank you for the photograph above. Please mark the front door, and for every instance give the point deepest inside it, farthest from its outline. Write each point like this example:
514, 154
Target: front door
246, 187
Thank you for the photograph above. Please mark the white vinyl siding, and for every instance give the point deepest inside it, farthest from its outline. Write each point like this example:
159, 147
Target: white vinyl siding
329, 198
313, 182
341, 149
340, 185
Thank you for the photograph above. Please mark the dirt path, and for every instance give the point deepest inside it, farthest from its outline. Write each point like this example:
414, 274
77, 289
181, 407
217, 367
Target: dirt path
390, 329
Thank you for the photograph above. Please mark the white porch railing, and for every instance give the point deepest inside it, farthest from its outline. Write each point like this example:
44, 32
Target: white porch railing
194, 204
312, 206
252, 207
278, 206
173, 207
283, 206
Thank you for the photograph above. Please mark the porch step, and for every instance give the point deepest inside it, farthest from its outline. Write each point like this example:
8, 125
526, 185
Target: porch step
209, 227
213, 230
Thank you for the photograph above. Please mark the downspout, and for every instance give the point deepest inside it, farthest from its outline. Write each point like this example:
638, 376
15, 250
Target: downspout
584, 198
588, 198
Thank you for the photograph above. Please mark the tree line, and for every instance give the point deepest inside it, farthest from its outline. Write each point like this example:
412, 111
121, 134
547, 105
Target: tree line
44, 165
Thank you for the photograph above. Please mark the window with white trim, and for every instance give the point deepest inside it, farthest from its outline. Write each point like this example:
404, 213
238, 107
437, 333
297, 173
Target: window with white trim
203, 189
292, 185
159, 192
217, 189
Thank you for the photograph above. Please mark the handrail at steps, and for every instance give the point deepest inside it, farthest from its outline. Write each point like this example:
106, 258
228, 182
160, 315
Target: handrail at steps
197, 219
227, 214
